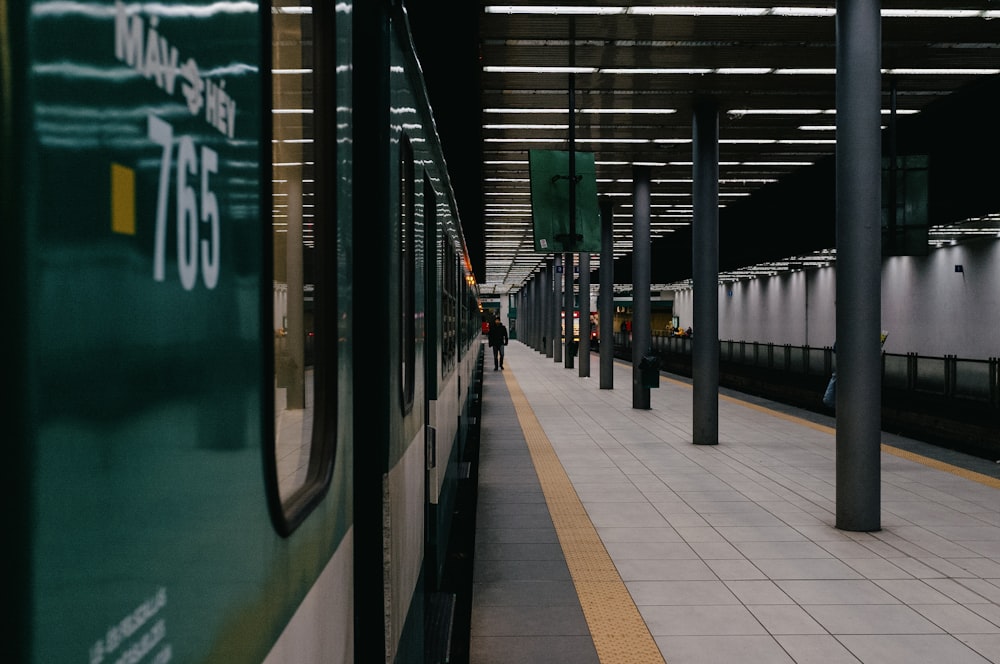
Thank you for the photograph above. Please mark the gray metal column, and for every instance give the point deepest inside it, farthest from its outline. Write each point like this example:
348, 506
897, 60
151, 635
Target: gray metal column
642, 335
584, 348
529, 307
533, 309
526, 303
705, 264
545, 315
540, 310
518, 299
537, 307
606, 297
859, 264
568, 307
572, 235
524, 314
555, 312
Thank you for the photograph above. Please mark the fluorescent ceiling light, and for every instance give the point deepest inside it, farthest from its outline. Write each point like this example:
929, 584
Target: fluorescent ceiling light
524, 140
526, 126
942, 71
700, 71
748, 141
539, 70
806, 72
655, 70
804, 12
594, 111
796, 12
777, 163
779, 111
808, 141
629, 111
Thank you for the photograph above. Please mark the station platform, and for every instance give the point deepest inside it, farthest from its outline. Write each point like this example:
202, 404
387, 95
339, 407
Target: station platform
603, 535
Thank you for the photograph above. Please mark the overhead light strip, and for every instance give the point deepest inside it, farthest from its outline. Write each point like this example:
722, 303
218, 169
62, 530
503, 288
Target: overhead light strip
593, 111
788, 12
755, 71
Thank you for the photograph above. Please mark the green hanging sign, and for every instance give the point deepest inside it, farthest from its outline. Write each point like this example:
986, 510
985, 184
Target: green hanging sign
550, 210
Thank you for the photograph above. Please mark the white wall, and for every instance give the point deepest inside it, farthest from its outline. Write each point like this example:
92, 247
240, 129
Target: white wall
927, 307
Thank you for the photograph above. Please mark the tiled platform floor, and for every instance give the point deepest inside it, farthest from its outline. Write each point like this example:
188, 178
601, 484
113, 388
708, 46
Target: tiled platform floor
729, 552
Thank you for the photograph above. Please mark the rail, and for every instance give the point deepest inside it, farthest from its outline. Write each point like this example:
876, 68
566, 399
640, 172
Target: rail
948, 376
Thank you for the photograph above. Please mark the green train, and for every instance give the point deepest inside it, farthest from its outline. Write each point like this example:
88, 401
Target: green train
243, 333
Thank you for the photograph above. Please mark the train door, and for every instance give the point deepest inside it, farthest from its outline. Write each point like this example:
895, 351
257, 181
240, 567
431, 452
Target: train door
432, 369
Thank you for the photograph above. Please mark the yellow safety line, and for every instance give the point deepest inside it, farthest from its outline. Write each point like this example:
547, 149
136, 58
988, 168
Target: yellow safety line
783, 416
941, 465
888, 449
620, 634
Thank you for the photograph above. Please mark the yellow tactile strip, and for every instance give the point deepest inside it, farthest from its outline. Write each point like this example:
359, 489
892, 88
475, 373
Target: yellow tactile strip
964, 473
620, 635
941, 465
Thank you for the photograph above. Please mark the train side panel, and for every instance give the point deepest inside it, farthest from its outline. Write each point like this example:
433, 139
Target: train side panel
314, 576
405, 490
419, 259
196, 286
144, 373
144, 383
16, 475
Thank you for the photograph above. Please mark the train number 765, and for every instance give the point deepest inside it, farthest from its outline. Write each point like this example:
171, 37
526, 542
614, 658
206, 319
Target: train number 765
190, 252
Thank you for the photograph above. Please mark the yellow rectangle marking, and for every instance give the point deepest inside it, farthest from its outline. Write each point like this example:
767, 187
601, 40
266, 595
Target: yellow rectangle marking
122, 199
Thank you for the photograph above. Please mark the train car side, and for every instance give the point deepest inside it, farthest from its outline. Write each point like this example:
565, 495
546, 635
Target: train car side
420, 359
236, 432
146, 532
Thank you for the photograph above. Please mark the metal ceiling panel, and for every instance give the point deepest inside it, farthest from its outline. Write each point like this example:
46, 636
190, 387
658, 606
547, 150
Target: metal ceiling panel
627, 62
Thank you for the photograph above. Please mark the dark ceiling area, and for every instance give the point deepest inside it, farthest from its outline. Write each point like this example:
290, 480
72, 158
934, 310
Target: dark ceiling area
446, 38
795, 216
496, 79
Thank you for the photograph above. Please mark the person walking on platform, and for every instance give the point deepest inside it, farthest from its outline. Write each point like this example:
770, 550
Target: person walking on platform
498, 339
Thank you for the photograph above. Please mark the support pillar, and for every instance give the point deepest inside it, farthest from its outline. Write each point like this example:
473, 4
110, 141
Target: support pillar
642, 336
705, 262
584, 349
606, 298
568, 308
859, 265
545, 315
555, 313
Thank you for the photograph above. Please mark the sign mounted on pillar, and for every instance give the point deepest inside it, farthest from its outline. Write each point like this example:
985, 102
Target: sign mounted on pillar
550, 195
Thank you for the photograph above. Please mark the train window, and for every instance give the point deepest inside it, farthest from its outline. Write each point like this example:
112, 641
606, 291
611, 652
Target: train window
449, 306
430, 309
296, 464
407, 272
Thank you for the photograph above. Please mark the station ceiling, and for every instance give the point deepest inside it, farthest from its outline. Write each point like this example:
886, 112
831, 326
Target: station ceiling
636, 70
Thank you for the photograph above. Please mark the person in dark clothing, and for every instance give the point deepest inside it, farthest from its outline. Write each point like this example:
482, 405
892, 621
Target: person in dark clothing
498, 339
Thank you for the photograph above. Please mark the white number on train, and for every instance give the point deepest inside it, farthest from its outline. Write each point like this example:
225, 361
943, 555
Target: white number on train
191, 254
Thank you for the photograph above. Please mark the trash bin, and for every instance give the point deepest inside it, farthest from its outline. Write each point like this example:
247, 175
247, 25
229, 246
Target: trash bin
574, 347
649, 370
